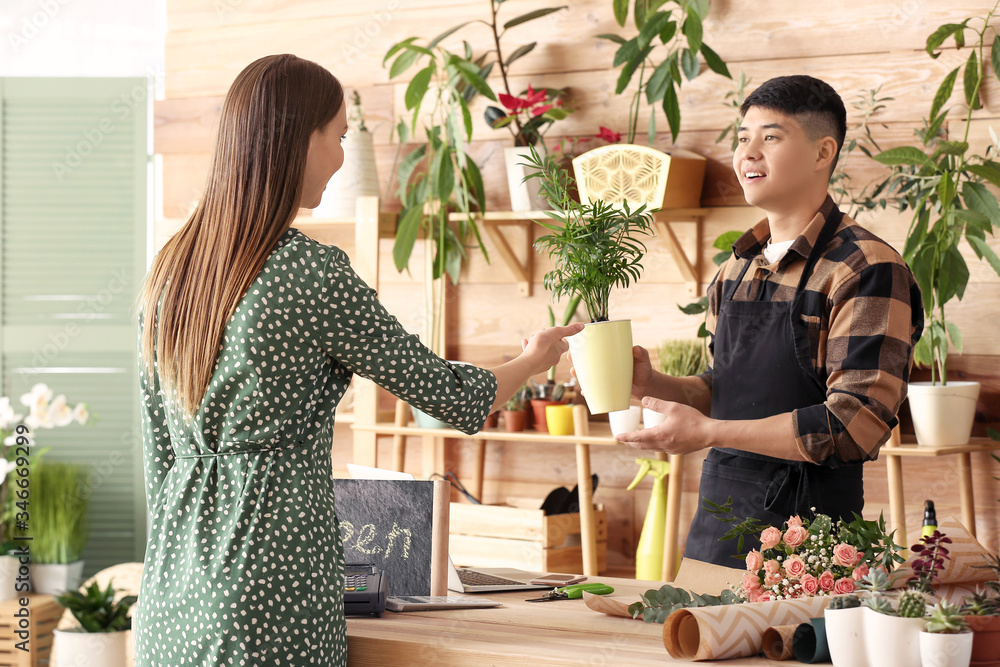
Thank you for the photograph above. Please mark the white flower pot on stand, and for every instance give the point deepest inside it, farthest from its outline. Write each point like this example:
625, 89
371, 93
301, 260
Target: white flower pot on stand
938, 649
54, 578
357, 178
74, 648
943, 414
845, 636
8, 577
523, 194
892, 641
602, 357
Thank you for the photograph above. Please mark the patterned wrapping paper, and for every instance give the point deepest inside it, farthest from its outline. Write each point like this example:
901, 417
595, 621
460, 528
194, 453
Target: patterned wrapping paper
732, 631
959, 578
778, 640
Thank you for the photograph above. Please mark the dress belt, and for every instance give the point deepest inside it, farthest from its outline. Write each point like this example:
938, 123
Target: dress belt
237, 452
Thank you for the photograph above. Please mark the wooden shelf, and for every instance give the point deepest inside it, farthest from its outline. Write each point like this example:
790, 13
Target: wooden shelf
600, 434
913, 449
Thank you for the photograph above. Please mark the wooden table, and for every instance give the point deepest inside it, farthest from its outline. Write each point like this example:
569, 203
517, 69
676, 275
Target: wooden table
895, 450
564, 632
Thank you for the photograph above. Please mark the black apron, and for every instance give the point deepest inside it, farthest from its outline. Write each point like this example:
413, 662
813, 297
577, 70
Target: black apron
763, 368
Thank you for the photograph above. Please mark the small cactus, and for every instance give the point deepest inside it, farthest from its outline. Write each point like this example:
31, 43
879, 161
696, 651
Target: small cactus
844, 602
880, 604
912, 604
946, 618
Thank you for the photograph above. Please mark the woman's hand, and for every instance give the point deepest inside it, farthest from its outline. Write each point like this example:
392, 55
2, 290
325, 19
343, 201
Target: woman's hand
685, 429
547, 346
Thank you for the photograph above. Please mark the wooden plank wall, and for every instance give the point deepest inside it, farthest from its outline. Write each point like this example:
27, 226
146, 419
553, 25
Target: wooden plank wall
854, 45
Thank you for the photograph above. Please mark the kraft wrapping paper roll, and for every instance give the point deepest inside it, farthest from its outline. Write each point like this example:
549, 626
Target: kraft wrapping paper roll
960, 576
735, 630
777, 641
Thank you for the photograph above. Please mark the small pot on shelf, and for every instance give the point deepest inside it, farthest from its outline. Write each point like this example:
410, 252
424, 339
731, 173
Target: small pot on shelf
513, 420
493, 420
985, 640
944, 649
538, 406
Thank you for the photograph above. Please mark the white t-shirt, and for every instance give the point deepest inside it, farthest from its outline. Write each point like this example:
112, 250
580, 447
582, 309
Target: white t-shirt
775, 251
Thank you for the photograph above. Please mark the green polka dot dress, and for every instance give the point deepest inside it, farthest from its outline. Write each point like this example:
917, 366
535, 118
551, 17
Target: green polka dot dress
244, 561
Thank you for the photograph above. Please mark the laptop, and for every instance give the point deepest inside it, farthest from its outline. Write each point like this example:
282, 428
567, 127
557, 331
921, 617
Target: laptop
490, 579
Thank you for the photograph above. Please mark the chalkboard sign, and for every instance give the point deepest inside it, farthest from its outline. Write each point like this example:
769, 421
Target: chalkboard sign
391, 523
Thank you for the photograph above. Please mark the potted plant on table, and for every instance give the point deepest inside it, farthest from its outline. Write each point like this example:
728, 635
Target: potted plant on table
595, 247
947, 640
946, 186
104, 622
982, 614
59, 525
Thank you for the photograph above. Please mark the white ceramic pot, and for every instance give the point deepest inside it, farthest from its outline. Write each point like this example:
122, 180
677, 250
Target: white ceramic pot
54, 578
602, 357
89, 649
357, 178
625, 421
938, 649
8, 577
651, 418
891, 641
845, 636
943, 414
523, 193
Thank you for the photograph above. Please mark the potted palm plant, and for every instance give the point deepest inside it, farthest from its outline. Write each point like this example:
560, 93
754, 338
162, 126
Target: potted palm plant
59, 525
594, 247
945, 184
104, 623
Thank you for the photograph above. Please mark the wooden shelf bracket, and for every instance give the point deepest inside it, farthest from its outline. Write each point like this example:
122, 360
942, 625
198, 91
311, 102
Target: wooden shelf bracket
520, 269
690, 270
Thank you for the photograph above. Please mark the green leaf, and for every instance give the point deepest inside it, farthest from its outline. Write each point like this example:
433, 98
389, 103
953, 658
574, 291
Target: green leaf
621, 11
475, 180
693, 31
672, 108
987, 171
689, 64
447, 33
466, 118
629, 69
406, 236
985, 251
408, 164
643, 10
946, 191
903, 155
726, 240
471, 74
403, 131
951, 148
695, 308
978, 198
932, 129
396, 48
531, 16
955, 335
995, 56
668, 32
658, 82
651, 130
970, 80
626, 52
652, 28
520, 51
617, 39
403, 62
944, 92
714, 62
418, 86
953, 275
937, 37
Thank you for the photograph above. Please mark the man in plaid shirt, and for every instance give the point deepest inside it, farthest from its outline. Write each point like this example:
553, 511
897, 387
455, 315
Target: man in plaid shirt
813, 323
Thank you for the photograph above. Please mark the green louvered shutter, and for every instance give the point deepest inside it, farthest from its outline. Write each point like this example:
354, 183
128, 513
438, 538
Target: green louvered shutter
73, 244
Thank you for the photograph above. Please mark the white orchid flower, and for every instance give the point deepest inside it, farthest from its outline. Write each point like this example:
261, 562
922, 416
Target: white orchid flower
11, 440
60, 414
39, 391
80, 413
8, 419
5, 468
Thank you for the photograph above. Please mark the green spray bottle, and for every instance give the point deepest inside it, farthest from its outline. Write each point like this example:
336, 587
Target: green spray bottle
649, 552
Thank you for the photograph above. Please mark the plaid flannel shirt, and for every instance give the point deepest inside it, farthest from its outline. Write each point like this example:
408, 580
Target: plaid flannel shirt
863, 313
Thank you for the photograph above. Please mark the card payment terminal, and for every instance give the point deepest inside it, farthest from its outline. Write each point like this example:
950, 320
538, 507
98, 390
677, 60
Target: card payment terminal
364, 589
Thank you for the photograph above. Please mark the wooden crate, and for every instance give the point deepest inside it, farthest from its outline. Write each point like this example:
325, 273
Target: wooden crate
43, 616
502, 536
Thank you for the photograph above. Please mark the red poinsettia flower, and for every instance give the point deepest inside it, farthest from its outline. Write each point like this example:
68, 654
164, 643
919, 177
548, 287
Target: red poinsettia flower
512, 103
538, 111
609, 135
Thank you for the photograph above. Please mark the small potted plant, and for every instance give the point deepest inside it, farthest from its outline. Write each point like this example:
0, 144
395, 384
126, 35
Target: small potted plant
515, 410
845, 631
104, 623
59, 525
594, 247
947, 640
892, 633
982, 614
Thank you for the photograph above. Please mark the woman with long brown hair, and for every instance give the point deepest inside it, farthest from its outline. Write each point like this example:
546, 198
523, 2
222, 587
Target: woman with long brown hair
257, 332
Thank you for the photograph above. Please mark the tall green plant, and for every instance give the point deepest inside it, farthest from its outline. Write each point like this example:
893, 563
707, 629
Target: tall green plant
58, 523
946, 187
595, 246
668, 45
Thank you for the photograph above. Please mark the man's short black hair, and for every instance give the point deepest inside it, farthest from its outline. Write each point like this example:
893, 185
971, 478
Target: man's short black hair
812, 102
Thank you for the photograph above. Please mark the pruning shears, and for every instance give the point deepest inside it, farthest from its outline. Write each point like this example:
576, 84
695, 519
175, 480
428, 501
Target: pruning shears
574, 592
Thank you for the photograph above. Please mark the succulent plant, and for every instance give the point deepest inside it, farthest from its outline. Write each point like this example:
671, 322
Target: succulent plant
880, 604
912, 604
946, 618
844, 602
876, 581
981, 603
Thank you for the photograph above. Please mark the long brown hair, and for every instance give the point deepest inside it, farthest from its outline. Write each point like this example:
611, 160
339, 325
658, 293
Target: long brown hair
252, 194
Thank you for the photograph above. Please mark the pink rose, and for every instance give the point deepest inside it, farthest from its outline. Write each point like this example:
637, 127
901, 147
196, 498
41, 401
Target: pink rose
844, 585
770, 538
795, 567
795, 536
845, 555
766, 596
772, 566
755, 561
826, 580
794, 522
810, 584
754, 595
751, 581
772, 579
860, 572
